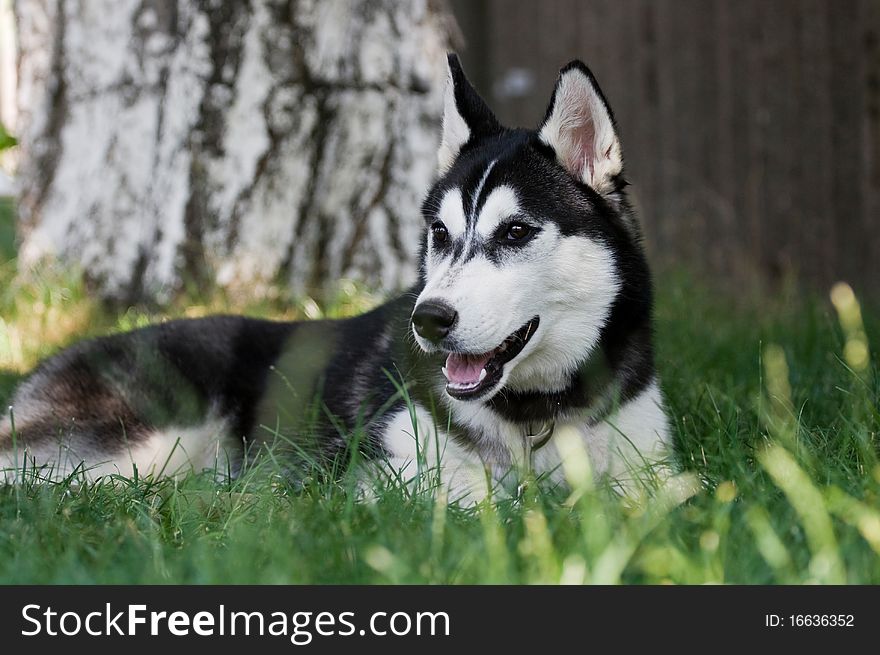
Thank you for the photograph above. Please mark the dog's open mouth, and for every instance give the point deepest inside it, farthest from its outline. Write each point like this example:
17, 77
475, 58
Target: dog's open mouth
471, 375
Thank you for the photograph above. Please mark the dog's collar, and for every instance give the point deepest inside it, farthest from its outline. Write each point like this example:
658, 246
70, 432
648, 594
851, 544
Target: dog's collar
517, 478
539, 439
533, 443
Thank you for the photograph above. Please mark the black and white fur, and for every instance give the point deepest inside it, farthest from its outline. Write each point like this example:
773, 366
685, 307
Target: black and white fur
529, 244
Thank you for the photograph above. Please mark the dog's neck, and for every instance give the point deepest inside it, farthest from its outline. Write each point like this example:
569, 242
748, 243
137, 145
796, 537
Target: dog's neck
589, 390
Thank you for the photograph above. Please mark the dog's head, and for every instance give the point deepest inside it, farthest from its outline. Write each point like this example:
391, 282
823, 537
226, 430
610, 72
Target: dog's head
527, 233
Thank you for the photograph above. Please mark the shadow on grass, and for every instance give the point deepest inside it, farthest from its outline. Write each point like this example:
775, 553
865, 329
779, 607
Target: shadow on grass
7, 229
8, 380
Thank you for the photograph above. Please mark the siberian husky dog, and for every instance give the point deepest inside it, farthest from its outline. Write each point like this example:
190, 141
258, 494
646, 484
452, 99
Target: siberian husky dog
528, 337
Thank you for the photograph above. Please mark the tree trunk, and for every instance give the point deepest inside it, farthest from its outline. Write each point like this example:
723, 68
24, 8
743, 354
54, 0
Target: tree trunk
229, 142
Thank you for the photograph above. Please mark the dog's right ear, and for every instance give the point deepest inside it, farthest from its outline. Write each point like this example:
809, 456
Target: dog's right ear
465, 115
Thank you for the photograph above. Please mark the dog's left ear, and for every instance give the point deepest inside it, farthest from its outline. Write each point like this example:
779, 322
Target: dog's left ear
465, 115
580, 129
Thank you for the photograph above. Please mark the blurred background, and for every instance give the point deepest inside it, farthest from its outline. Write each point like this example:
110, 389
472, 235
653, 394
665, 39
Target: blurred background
750, 128
169, 144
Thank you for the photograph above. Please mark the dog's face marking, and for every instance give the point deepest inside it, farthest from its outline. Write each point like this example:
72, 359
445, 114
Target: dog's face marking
492, 228
517, 241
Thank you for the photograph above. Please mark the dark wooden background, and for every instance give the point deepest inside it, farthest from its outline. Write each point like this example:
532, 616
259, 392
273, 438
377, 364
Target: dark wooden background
751, 128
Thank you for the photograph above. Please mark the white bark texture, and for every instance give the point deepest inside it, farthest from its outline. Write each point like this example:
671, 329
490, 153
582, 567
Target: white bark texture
240, 143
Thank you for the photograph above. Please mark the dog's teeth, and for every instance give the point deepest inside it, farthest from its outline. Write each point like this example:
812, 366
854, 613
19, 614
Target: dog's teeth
445, 374
482, 374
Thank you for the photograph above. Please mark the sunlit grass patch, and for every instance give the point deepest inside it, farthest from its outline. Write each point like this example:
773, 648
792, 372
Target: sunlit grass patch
39, 314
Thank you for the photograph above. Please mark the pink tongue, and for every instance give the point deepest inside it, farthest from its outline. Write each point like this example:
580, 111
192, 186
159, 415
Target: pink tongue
465, 369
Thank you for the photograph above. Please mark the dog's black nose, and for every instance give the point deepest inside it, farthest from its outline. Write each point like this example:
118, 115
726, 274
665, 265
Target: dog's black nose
433, 320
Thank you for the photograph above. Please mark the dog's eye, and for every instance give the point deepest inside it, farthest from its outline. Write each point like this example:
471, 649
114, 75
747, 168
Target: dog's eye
439, 232
517, 232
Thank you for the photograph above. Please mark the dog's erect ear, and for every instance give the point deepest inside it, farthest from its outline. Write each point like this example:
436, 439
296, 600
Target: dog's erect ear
465, 115
580, 129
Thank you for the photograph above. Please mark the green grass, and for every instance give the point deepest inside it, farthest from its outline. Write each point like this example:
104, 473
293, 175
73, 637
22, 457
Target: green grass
7, 230
771, 419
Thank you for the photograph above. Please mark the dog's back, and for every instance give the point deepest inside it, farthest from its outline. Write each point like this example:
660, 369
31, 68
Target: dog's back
105, 401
